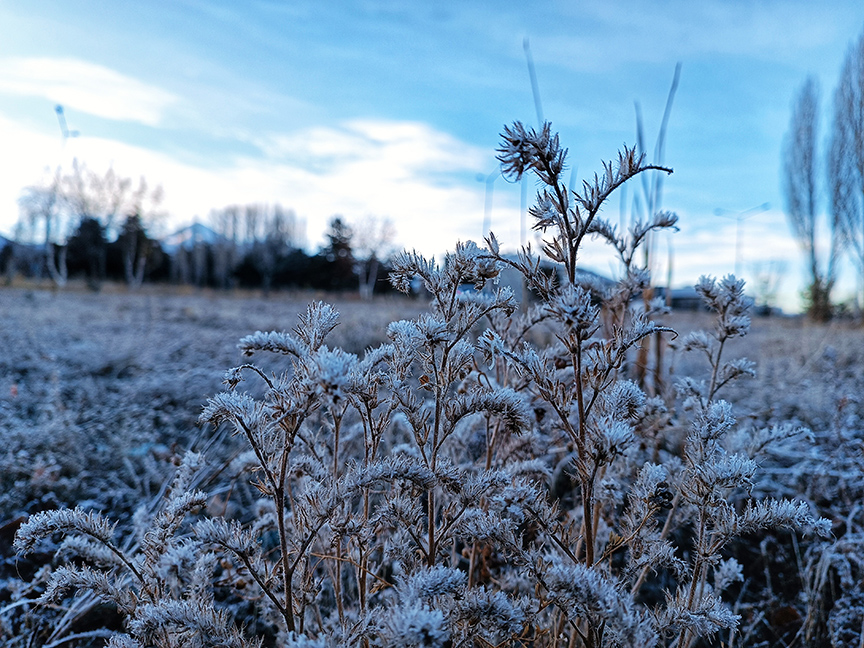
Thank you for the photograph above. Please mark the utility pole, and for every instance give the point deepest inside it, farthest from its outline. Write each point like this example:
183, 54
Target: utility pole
740, 217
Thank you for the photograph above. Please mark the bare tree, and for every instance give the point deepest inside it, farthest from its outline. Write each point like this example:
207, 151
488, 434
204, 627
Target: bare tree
41, 206
252, 221
768, 275
846, 157
370, 245
800, 187
138, 248
275, 232
87, 194
226, 223
105, 198
59, 206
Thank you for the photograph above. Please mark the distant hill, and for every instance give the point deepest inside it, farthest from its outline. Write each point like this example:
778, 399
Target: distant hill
27, 246
188, 236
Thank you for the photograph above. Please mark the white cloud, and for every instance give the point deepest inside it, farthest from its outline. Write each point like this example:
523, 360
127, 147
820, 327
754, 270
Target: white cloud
87, 87
626, 33
26, 157
419, 178
404, 171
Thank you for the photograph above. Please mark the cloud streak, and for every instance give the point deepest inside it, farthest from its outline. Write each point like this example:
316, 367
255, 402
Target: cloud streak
420, 178
617, 35
87, 87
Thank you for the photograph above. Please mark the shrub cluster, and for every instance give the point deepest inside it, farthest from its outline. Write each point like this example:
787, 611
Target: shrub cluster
485, 477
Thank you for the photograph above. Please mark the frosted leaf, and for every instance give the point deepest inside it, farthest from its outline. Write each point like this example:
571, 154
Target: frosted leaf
433, 330
706, 616
210, 626
483, 526
772, 513
428, 583
493, 610
728, 300
327, 373
573, 308
736, 326
707, 288
692, 392
296, 640
404, 332
274, 342
46, 523
714, 422
316, 323
624, 399
85, 547
105, 586
407, 265
726, 573
122, 641
735, 369
460, 360
524, 149
726, 471
697, 341
504, 403
614, 438
392, 468
493, 244
582, 593
415, 626
237, 407
230, 535
649, 479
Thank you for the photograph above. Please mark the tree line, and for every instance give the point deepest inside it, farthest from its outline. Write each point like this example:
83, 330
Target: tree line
842, 167
98, 227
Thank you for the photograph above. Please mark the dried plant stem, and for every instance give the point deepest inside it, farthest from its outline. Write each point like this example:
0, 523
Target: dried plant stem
667, 525
586, 483
684, 639
715, 369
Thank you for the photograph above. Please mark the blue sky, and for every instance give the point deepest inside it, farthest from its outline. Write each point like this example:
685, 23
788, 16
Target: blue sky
392, 109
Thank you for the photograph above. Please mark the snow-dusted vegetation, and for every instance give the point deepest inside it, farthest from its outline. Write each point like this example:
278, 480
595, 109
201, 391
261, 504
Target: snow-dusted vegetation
474, 473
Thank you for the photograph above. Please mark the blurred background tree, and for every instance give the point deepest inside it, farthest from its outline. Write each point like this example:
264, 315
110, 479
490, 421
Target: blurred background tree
846, 160
801, 191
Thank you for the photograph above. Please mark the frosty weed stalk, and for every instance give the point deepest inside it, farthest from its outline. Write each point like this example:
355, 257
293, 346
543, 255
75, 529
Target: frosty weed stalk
460, 485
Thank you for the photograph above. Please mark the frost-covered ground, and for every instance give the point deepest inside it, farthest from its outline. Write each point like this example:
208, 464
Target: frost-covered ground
100, 394
94, 386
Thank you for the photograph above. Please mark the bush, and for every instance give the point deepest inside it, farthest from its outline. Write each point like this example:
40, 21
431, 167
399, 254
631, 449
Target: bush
462, 483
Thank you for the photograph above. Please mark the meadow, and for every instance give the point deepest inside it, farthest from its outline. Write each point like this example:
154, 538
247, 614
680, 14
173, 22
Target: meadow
100, 395
214, 469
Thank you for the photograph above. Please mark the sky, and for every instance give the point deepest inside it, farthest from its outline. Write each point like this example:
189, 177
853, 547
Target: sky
393, 110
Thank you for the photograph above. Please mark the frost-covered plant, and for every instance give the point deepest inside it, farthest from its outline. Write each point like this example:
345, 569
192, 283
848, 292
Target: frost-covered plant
459, 484
159, 581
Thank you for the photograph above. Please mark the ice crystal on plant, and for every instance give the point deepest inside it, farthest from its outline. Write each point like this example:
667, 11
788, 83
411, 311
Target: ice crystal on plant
480, 475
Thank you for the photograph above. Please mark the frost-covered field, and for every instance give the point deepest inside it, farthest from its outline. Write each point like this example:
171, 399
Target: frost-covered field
93, 387
587, 470
100, 396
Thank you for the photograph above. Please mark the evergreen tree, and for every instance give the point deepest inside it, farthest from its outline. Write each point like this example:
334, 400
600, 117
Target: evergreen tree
87, 251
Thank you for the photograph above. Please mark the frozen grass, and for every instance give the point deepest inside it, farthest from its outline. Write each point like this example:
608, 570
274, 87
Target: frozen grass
465, 475
95, 384
99, 396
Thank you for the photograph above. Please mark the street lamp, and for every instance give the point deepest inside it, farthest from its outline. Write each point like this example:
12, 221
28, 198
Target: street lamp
740, 217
